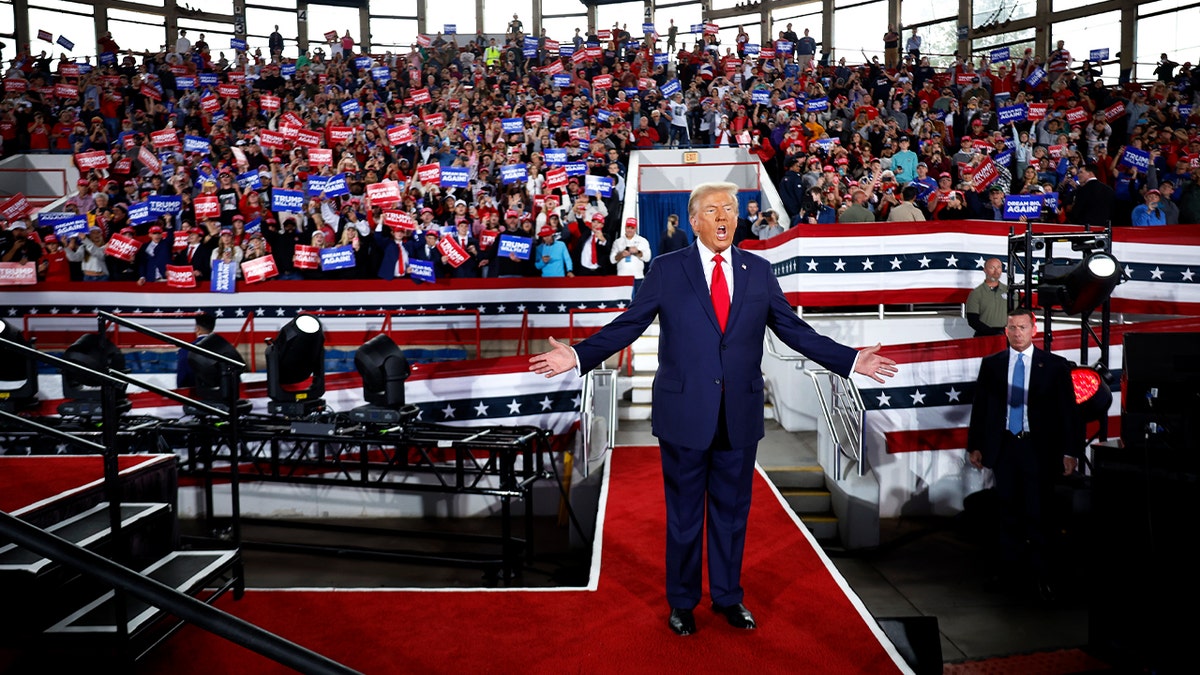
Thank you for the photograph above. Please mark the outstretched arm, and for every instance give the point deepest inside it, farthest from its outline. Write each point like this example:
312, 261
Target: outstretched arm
558, 360
871, 364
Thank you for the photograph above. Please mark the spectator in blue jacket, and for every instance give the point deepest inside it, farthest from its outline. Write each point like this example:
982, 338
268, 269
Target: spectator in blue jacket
553, 258
1149, 213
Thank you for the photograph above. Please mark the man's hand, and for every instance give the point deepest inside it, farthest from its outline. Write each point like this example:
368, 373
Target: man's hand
871, 364
1069, 465
558, 360
976, 459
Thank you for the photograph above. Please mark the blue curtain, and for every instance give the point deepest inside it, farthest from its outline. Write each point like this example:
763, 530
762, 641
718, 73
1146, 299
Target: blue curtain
654, 207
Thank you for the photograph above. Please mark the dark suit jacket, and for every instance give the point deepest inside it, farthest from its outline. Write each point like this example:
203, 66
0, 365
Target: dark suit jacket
1092, 204
698, 364
1050, 405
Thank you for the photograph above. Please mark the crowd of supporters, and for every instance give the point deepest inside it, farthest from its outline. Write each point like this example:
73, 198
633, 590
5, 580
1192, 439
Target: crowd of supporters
468, 139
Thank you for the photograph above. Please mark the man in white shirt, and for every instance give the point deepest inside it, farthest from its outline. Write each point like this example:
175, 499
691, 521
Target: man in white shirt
183, 45
679, 123
631, 251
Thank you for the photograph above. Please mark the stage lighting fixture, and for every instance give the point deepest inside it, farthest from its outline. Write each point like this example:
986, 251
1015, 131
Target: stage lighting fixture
1079, 287
83, 391
1092, 395
210, 386
18, 372
296, 368
383, 369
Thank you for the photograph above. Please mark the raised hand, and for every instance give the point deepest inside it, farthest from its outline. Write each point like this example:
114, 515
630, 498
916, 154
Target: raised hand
558, 360
871, 364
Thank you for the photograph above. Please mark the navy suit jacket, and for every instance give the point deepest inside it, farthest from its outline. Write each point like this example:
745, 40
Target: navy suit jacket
698, 364
1050, 405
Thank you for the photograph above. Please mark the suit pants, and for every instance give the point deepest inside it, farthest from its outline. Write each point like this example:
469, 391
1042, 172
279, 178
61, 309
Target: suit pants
712, 483
1024, 484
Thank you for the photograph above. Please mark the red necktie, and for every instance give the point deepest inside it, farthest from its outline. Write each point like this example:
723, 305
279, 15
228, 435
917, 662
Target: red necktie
595, 258
720, 292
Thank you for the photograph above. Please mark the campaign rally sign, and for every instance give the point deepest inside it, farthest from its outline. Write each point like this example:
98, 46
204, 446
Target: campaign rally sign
671, 87
1016, 206
122, 247
1037, 111
1138, 159
381, 74
597, 185
566, 50
337, 258
266, 102
660, 58
561, 80
185, 83
181, 276
399, 219
456, 176
555, 156
351, 107
287, 200
320, 157
783, 46
1185, 110
238, 44
434, 121
207, 207
533, 117
450, 29
1077, 115
253, 226
399, 135
287, 70
63, 90
273, 140
1035, 78
1056, 151
259, 269
1098, 54
65, 225
514, 245
512, 125
224, 277
340, 134
513, 173
330, 186
760, 96
306, 257
170, 205
421, 96
387, 192
576, 168
998, 55
603, 115
139, 213
196, 144
453, 251
429, 173
421, 270
96, 159
985, 174
1003, 158
602, 82
1050, 200
18, 274
1012, 113
1117, 109
817, 104
209, 79
556, 178
751, 48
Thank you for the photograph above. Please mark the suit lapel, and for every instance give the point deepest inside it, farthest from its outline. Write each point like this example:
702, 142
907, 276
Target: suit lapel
741, 277
694, 270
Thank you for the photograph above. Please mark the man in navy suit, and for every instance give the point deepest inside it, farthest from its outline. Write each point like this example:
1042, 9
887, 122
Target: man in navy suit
1023, 429
154, 256
714, 304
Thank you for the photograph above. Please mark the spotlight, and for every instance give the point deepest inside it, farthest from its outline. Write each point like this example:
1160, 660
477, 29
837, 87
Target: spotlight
211, 385
383, 369
83, 391
1079, 287
296, 368
1092, 395
18, 373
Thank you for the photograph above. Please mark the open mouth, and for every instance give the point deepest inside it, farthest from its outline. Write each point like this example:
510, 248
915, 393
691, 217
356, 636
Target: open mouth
722, 232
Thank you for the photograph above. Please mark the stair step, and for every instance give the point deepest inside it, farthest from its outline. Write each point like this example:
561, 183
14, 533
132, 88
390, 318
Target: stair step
84, 529
823, 528
809, 477
186, 571
808, 501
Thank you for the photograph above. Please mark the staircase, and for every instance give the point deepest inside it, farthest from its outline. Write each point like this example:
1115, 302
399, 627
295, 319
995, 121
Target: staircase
790, 459
59, 620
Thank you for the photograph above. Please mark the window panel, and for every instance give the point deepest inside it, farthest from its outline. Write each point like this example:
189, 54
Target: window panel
939, 41
920, 11
263, 21
393, 34
684, 16
213, 6
1162, 5
394, 8
1082, 35
324, 18
498, 13
1158, 34
80, 30
563, 28
62, 6
859, 29
7, 23
992, 11
282, 4
461, 14
630, 14
138, 36
148, 3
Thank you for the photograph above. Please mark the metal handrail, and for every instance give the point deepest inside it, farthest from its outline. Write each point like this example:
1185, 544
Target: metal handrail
168, 599
844, 417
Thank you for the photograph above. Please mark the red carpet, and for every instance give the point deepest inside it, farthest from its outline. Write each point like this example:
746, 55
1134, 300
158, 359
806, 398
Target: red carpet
807, 623
25, 481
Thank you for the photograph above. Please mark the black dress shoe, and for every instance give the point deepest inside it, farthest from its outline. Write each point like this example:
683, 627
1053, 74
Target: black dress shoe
682, 622
737, 615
